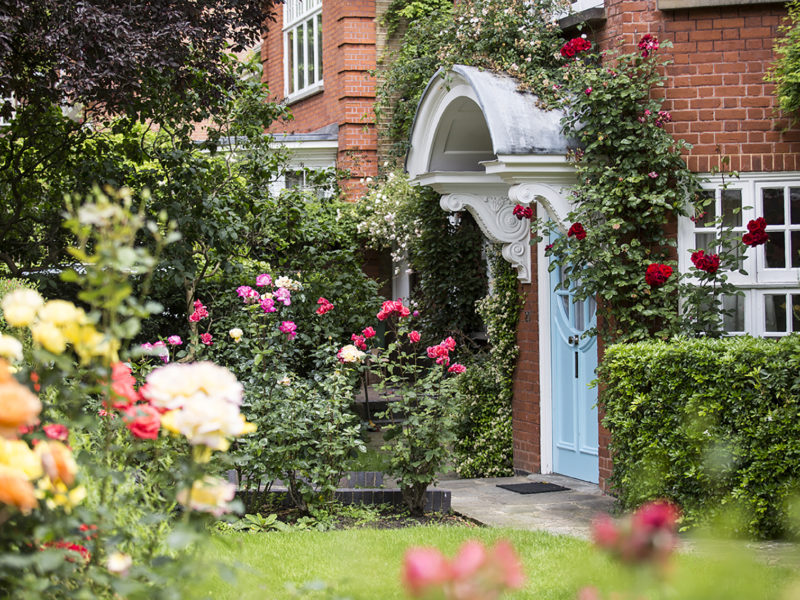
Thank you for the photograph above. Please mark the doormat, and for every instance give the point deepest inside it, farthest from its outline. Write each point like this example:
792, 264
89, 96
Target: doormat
535, 487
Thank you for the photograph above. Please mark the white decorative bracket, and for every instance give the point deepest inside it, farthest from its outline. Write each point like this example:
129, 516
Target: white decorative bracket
554, 201
495, 216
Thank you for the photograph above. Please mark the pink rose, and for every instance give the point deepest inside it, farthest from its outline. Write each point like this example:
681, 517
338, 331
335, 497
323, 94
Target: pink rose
324, 306
283, 295
289, 328
123, 385
414, 336
268, 305
449, 343
143, 420
424, 568
368, 332
359, 341
206, 338
457, 368
174, 340
263, 280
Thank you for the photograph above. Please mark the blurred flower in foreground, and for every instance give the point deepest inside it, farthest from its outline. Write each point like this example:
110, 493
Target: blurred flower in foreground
649, 534
474, 574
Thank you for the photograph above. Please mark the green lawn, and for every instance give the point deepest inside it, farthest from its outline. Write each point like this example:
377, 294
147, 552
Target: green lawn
365, 565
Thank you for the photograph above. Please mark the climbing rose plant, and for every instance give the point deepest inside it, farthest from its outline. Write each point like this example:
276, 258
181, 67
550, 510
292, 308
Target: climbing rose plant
631, 181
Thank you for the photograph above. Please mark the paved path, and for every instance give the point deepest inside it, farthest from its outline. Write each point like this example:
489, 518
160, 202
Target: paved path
566, 513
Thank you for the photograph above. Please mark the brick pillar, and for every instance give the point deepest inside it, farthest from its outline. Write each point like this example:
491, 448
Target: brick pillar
525, 405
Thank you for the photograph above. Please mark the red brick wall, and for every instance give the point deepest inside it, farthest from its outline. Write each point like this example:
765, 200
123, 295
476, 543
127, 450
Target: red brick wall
348, 38
715, 88
526, 403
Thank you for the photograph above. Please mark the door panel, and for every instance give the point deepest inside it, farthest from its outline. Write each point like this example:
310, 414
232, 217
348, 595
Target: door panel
573, 364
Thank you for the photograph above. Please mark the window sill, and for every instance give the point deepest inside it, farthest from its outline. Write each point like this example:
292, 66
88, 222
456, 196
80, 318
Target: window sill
304, 93
679, 4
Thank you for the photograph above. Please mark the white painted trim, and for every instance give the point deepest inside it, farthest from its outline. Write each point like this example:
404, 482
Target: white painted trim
314, 88
545, 367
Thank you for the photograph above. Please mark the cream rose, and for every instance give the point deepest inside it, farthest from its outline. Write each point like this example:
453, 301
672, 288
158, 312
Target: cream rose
179, 384
20, 307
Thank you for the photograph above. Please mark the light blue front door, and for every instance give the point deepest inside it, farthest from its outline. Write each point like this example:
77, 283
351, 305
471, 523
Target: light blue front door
573, 362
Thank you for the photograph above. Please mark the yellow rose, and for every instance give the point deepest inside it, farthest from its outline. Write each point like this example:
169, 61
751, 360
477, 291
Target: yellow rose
17, 454
49, 337
61, 313
20, 307
10, 347
58, 494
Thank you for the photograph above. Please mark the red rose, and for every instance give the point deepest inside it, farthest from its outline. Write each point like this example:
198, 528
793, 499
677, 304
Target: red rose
206, 338
647, 44
143, 420
574, 46
414, 336
457, 368
757, 234
368, 332
705, 262
657, 274
122, 386
577, 230
523, 212
56, 431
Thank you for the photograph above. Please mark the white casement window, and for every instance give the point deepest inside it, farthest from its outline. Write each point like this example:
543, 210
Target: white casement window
770, 306
302, 48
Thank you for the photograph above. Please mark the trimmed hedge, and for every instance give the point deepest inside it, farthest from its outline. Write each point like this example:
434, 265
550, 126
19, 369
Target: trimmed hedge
711, 424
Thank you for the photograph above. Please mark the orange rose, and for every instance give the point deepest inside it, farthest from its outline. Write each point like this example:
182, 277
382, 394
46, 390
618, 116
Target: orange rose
16, 490
18, 405
57, 461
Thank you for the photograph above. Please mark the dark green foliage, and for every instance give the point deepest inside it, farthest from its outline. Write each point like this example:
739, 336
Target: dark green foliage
483, 446
451, 271
785, 73
712, 424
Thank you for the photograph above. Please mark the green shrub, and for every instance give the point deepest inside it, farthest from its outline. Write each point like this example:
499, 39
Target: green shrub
712, 425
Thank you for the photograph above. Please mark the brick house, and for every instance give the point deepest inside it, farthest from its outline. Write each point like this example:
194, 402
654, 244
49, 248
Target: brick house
485, 147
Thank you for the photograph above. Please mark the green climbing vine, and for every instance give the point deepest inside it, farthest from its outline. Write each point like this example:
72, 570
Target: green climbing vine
785, 72
484, 392
519, 37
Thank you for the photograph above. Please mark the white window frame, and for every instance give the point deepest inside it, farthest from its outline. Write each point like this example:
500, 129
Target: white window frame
759, 281
306, 16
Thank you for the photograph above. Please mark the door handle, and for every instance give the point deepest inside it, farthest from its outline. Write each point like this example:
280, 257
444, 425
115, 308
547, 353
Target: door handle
574, 340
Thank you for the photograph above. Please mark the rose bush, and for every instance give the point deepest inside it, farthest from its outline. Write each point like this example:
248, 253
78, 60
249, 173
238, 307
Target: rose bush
95, 496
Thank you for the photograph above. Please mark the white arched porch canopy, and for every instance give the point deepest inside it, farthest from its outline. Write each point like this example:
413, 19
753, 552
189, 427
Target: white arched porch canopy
485, 146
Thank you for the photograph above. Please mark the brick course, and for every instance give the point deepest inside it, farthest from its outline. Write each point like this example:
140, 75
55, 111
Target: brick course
720, 56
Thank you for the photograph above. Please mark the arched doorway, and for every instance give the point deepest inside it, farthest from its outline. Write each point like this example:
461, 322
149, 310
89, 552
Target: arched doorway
485, 146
